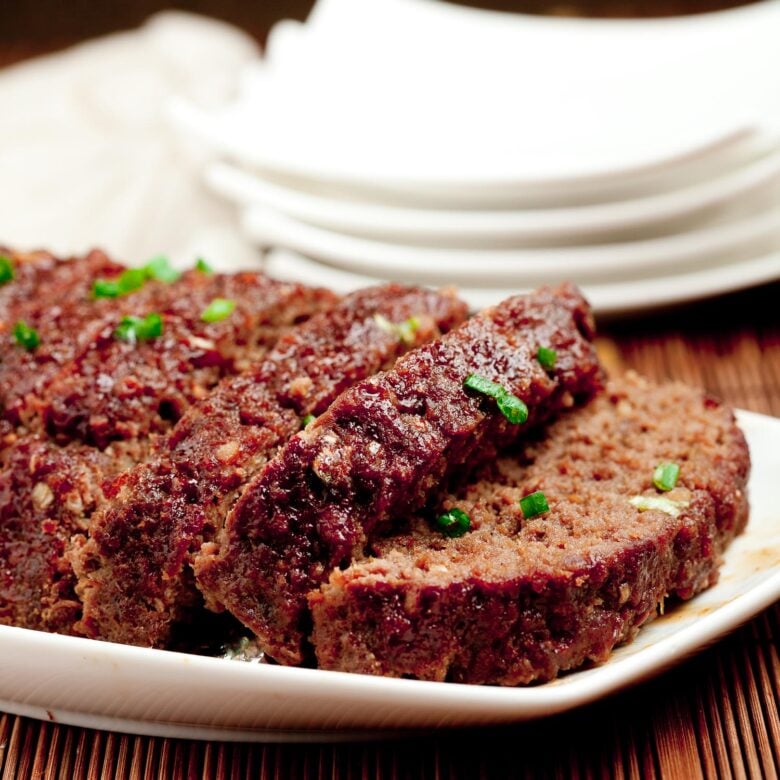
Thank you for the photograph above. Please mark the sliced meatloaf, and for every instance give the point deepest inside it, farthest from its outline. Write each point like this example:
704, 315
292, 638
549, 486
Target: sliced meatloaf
135, 576
518, 600
113, 394
84, 383
47, 493
41, 291
383, 449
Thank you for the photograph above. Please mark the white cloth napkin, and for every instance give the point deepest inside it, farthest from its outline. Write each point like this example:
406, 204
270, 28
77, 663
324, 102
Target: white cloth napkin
87, 157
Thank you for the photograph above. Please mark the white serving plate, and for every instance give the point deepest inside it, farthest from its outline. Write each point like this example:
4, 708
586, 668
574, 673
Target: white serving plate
102, 685
606, 298
741, 238
509, 228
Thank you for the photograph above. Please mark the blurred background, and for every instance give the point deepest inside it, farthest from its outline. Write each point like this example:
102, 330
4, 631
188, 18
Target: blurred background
629, 145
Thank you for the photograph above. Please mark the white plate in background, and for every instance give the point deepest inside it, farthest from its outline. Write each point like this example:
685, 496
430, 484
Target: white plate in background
94, 684
514, 228
732, 242
463, 103
606, 299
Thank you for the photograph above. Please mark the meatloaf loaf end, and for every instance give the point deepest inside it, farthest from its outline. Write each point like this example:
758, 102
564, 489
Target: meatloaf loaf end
135, 576
46, 492
130, 390
384, 447
114, 389
518, 600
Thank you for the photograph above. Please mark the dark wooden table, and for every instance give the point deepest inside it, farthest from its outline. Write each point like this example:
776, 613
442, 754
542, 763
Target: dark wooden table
716, 715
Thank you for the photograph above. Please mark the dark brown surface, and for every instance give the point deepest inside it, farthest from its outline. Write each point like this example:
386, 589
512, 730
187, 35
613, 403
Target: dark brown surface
716, 716
381, 449
134, 585
517, 600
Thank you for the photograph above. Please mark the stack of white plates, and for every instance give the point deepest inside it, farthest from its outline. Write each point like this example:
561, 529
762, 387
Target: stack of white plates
418, 141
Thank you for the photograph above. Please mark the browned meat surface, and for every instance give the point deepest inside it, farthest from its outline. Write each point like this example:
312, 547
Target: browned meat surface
43, 294
517, 600
135, 578
113, 389
383, 448
106, 393
86, 384
46, 492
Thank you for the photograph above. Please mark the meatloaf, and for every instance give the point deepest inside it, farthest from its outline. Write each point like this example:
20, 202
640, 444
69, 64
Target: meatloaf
83, 383
135, 576
385, 446
113, 395
47, 494
515, 599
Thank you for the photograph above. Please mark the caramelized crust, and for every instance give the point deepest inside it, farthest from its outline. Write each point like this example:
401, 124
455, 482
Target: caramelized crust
135, 576
383, 449
519, 600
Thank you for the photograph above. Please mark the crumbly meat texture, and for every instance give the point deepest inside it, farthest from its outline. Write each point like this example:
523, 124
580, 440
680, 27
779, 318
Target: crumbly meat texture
519, 600
135, 576
384, 448
113, 395
100, 389
43, 293
46, 492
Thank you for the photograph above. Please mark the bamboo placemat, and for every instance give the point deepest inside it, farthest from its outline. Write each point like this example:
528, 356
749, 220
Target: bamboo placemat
715, 716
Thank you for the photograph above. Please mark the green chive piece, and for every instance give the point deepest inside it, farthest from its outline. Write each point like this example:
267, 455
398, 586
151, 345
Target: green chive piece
404, 331
218, 310
105, 288
160, 268
546, 358
25, 336
484, 386
659, 503
510, 405
6, 270
534, 504
132, 329
308, 420
665, 476
512, 408
131, 280
203, 267
454, 523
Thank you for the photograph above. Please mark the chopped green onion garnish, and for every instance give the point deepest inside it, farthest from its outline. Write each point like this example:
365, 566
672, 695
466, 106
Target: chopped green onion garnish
25, 336
129, 281
665, 476
534, 504
134, 329
453, 523
660, 503
308, 420
404, 331
160, 268
6, 269
510, 405
512, 408
105, 288
202, 266
546, 358
218, 309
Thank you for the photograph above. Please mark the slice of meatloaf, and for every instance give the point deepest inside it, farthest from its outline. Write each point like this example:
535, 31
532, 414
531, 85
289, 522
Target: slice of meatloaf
383, 448
42, 293
84, 383
135, 578
47, 492
518, 600
114, 389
